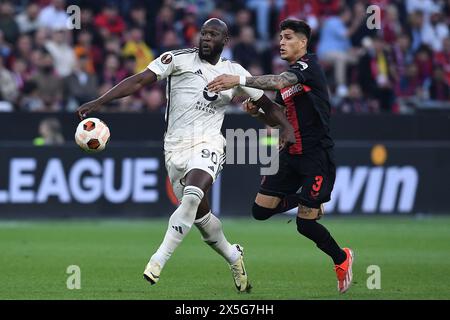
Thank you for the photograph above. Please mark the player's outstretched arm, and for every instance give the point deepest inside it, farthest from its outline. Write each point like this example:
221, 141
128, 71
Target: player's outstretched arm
125, 88
265, 82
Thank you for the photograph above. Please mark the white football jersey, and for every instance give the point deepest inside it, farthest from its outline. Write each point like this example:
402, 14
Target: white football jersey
194, 114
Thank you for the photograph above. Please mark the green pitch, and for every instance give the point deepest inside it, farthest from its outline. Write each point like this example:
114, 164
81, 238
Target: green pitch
413, 256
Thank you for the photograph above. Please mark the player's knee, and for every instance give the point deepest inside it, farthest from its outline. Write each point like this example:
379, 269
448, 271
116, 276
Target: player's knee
192, 196
262, 213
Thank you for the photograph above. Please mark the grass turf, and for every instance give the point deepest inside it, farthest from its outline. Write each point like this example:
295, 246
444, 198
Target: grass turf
413, 255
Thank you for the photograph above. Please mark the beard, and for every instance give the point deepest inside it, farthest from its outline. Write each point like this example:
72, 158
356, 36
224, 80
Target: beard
213, 51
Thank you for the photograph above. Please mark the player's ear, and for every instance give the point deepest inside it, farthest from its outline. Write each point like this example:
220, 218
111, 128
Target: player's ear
226, 38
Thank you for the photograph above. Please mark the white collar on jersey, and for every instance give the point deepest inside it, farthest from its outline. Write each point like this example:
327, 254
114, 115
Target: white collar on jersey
221, 59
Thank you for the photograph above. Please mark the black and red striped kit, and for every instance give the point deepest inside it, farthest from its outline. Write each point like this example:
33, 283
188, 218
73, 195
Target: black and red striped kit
306, 167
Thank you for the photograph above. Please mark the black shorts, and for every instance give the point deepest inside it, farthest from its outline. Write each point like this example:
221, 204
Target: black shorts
313, 172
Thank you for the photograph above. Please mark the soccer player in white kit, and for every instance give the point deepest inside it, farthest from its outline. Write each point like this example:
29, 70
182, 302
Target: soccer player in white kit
193, 143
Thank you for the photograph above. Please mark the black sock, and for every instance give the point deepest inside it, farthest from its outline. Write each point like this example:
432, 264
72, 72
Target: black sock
322, 238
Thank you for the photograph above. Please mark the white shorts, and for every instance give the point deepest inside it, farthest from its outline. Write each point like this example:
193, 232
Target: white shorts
205, 156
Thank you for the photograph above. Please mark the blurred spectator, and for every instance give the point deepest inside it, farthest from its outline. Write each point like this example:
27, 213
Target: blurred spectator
31, 101
439, 88
62, 53
435, 31
128, 104
20, 72
7, 22
81, 86
50, 133
391, 27
356, 102
189, 27
424, 63
88, 26
28, 20
120, 37
49, 86
358, 30
129, 65
54, 16
110, 22
244, 51
376, 75
24, 46
85, 47
442, 58
40, 38
170, 41
8, 86
112, 73
410, 85
112, 45
416, 27
154, 100
425, 6
242, 19
138, 19
136, 47
402, 57
5, 48
334, 47
264, 11
165, 21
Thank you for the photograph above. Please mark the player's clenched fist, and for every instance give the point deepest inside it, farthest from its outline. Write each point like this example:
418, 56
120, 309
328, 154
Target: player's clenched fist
250, 107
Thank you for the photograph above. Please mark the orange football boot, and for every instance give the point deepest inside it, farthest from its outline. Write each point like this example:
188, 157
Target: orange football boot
344, 271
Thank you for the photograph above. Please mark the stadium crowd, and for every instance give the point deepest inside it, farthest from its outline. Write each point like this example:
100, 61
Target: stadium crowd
46, 67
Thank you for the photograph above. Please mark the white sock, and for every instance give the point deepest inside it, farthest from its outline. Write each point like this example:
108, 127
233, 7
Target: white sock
180, 223
212, 233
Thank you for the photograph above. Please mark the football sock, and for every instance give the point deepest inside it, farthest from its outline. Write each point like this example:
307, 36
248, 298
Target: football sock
180, 223
212, 233
323, 239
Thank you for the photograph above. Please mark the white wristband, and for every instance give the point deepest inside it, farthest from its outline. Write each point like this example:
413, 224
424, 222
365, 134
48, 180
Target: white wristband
242, 80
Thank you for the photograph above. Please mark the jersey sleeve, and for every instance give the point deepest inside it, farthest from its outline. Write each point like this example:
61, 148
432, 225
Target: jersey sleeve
302, 70
163, 66
254, 94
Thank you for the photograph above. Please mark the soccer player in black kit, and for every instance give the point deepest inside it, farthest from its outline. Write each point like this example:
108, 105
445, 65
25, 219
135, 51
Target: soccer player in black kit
306, 170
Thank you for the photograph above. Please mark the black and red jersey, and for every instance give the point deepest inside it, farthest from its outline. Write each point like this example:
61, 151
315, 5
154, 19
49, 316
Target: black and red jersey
307, 106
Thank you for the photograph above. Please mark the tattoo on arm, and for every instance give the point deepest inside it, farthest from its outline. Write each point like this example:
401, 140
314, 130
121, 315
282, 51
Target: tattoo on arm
272, 82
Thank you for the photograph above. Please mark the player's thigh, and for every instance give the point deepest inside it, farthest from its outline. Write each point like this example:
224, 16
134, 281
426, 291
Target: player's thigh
317, 185
204, 165
266, 201
176, 165
275, 187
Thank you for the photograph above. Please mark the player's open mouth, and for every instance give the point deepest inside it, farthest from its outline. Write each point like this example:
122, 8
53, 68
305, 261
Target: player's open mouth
282, 51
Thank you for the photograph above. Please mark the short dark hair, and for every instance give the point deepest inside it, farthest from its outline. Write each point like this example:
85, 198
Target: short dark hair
298, 26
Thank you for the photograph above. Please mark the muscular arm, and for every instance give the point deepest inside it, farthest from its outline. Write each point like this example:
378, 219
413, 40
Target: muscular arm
273, 114
125, 88
265, 82
128, 86
272, 82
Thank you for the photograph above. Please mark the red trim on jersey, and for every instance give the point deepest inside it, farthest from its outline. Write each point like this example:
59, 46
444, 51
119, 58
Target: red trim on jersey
293, 119
306, 88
